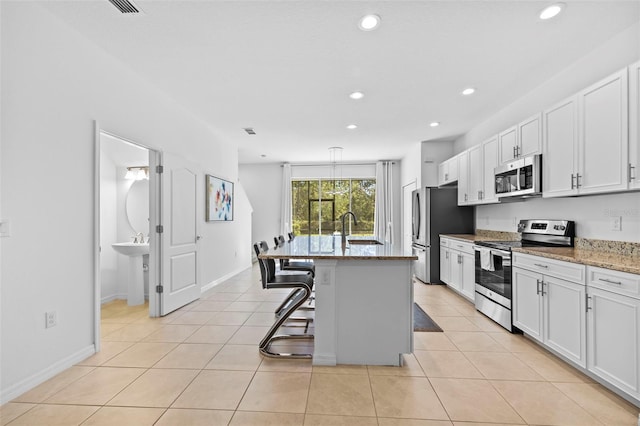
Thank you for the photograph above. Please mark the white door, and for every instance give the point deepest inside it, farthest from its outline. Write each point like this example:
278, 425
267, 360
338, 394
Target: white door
179, 237
445, 265
475, 184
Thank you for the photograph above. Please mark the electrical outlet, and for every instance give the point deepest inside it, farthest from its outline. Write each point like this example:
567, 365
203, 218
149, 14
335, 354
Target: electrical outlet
616, 223
51, 319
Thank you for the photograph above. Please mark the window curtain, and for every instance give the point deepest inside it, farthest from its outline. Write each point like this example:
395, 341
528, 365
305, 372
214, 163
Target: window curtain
383, 216
286, 208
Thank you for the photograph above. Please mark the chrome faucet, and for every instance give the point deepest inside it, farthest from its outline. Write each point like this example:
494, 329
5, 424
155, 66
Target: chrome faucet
139, 241
344, 234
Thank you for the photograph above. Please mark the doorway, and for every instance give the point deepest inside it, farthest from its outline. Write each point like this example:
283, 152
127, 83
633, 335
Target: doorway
126, 211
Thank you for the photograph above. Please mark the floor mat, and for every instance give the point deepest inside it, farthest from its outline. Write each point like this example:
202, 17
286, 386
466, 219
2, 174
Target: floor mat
422, 321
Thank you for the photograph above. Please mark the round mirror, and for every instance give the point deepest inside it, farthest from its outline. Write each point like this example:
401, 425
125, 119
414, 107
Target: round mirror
137, 205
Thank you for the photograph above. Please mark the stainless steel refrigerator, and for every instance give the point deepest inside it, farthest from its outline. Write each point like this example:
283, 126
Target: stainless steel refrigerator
435, 212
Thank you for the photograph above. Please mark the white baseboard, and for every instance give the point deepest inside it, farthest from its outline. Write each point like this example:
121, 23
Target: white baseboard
222, 279
42, 376
324, 359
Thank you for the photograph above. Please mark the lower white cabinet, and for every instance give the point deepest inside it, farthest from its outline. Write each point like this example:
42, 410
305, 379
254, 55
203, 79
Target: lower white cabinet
614, 329
458, 259
551, 310
445, 264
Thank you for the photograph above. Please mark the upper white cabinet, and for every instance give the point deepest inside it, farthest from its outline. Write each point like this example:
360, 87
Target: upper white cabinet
521, 140
585, 141
475, 173
448, 171
463, 178
634, 126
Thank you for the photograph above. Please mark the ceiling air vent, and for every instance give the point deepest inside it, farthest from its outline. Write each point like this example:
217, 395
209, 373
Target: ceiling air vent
250, 130
125, 6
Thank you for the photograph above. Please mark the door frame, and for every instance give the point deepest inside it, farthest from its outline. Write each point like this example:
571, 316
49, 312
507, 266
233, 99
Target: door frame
155, 158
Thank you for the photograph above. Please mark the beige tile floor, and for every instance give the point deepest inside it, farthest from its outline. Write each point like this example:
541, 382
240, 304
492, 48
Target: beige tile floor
200, 366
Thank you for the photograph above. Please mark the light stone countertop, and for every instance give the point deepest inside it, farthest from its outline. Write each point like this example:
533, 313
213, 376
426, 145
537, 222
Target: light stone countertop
601, 259
329, 247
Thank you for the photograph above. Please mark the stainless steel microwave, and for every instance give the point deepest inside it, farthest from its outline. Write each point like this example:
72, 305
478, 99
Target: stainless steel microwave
519, 178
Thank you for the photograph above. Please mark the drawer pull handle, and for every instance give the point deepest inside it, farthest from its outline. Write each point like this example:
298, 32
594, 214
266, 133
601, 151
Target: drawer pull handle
541, 265
606, 280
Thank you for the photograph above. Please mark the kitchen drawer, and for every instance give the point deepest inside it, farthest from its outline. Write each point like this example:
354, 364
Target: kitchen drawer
556, 268
614, 281
444, 242
461, 246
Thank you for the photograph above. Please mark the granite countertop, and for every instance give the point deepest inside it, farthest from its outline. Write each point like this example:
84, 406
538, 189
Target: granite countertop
597, 258
615, 255
472, 238
329, 247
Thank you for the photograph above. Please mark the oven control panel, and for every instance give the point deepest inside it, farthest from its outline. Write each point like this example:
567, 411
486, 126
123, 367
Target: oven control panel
563, 228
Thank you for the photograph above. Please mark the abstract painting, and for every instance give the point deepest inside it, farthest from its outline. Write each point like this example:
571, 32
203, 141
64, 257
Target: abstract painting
219, 199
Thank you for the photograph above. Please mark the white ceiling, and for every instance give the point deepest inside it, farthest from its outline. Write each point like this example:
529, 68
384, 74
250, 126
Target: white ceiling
286, 68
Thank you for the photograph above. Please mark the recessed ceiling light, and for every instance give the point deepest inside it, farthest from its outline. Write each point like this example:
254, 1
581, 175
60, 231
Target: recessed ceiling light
468, 91
369, 22
356, 95
263, 155
352, 126
551, 11
434, 124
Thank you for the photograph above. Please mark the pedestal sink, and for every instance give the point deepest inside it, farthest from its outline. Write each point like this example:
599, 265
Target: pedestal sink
135, 251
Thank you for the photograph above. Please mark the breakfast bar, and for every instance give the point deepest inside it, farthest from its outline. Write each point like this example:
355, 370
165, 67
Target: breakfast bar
363, 299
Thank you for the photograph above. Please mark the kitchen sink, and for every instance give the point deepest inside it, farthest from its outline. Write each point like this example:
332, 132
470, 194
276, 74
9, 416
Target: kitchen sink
366, 242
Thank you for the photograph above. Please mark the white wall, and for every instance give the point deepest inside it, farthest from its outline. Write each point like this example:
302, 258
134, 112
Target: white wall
591, 213
434, 153
108, 230
54, 85
263, 183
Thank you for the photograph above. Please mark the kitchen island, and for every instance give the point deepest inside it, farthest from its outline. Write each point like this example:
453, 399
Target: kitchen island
363, 299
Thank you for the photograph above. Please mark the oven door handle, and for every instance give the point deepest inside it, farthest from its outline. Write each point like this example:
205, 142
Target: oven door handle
501, 253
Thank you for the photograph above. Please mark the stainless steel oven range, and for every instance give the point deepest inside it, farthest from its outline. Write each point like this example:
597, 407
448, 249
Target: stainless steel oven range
493, 264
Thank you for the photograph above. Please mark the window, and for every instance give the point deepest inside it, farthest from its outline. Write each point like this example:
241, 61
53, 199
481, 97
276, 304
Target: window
318, 205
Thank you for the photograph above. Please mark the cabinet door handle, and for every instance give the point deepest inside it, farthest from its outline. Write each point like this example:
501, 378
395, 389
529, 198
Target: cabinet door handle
542, 283
517, 150
572, 182
541, 265
538, 286
446, 254
514, 152
446, 176
587, 303
578, 184
465, 197
459, 259
606, 280
631, 172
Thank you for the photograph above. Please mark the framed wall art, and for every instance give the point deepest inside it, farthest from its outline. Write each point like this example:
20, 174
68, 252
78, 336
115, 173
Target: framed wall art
219, 199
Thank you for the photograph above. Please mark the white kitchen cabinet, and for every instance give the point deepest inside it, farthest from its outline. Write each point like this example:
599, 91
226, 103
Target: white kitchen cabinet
462, 268
634, 126
560, 143
585, 141
520, 140
614, 328
448, 171
489, 162
445, 264
476, 173
463, 178
548, 308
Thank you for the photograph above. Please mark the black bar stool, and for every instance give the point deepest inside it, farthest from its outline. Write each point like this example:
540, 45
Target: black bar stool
302, 285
